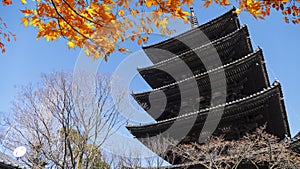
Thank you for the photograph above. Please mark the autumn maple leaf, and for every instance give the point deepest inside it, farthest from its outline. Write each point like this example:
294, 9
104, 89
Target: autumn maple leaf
188, 2
164, 22
6, 2
207, 3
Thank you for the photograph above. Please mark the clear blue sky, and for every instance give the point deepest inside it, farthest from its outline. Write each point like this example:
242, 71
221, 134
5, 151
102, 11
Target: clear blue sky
27, 58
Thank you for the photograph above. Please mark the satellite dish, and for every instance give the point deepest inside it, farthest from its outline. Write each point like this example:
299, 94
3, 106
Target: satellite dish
19, 151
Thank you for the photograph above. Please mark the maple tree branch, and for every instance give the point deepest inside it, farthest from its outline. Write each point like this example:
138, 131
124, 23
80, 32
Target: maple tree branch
61, 33
81, 15
52, 2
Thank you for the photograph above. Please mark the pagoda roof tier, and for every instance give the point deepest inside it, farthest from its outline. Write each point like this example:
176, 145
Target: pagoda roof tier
243, 77
219, 52
266, 106
209, 31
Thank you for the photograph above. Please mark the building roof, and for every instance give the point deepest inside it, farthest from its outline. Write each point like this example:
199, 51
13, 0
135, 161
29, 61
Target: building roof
239, 72
7, 162
257, 105
224, 50
213, 30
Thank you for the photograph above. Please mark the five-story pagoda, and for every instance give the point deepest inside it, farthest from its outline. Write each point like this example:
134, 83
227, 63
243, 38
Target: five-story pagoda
250, 99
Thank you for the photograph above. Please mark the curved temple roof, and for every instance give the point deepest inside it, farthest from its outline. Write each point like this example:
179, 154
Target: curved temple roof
229, 48
269, 100
257, 53
236, 73
213, 30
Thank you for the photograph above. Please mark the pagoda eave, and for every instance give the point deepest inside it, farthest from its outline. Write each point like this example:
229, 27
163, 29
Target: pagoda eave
158, 75
252, 64
254, 106
213, 30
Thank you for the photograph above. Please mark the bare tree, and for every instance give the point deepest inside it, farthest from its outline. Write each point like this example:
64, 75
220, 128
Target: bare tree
64, 121
133, 159
161, 145
257, 149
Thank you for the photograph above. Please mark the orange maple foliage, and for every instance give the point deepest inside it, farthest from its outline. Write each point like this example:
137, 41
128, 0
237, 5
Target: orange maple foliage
262, 8
5, 35
98, 26
290, 9
6, 2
